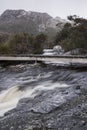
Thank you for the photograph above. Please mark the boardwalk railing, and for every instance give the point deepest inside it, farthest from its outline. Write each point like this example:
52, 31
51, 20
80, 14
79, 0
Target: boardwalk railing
59, 58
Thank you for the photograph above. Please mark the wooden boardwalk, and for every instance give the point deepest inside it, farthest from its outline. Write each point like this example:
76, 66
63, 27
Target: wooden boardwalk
53, 59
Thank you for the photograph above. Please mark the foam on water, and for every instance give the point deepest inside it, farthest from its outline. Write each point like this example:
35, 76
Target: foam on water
10, 97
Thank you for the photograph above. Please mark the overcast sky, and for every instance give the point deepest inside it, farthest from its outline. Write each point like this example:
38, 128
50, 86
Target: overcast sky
61, 8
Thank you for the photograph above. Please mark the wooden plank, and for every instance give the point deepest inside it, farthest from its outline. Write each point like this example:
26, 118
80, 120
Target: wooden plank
53, 59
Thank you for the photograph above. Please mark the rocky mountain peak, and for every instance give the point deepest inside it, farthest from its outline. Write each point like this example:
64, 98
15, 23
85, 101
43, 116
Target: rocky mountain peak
12, 13
28, 21
21, 13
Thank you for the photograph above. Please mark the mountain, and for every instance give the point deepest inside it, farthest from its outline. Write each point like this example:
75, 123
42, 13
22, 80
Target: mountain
16, 21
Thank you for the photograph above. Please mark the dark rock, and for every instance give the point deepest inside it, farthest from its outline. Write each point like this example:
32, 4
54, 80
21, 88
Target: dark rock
78, 87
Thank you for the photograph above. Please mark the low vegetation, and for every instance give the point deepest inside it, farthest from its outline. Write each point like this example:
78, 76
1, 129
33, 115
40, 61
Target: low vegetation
23, 44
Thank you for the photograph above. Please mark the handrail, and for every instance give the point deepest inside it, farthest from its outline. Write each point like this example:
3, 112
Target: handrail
44, 56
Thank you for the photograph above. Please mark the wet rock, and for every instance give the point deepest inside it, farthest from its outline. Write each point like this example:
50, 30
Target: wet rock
83, 122
78, 87
65, 92
62, 108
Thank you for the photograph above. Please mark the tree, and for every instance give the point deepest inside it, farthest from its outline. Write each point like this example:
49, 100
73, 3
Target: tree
39, 43
24, 44
73, 36
63, 34
20, 43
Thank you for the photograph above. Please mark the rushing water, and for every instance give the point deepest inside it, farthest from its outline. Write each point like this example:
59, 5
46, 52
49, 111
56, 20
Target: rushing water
31, 90
22, 81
